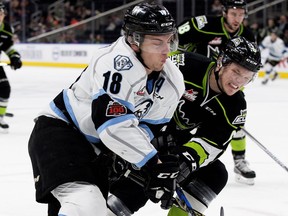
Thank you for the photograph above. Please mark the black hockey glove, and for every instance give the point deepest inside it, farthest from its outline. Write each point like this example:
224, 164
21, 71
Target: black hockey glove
161, 183
187, 162
119, 164
15, 61
164, 143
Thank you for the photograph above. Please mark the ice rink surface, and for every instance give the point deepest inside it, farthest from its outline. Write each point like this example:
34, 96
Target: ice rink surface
34, 87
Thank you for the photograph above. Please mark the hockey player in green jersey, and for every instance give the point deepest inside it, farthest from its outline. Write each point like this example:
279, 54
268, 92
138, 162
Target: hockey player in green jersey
210, 112
6, 46
206, 35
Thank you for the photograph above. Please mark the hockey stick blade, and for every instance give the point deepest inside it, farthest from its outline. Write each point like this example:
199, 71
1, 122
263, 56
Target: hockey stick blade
9, 114
221, 211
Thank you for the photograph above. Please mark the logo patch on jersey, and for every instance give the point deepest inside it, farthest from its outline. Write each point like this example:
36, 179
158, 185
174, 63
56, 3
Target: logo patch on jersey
143, 108
115, 109
201, 21
158, 96
216, 41
178, 59
240, 119
122, 63
141, 92
190, 95
237, 41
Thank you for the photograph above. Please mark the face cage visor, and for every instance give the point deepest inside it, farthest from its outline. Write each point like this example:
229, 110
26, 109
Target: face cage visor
156, 43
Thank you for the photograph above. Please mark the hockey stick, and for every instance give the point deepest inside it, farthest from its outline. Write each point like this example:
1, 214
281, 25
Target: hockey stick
183, 201
265, 150
221, 211
8, 114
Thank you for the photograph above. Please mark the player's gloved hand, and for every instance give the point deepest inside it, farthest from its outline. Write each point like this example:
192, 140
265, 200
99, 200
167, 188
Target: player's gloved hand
119, 165
15, 62
164, 143
187, 162
161, 183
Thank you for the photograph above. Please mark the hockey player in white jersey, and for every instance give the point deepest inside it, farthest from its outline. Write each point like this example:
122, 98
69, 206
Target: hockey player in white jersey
277, 52
127, 93
210, 111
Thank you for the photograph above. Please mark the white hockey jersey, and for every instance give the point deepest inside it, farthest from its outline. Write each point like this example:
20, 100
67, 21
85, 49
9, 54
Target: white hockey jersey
111, 102
277, 49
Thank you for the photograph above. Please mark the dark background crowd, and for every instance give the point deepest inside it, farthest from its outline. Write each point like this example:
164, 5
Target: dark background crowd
31, 18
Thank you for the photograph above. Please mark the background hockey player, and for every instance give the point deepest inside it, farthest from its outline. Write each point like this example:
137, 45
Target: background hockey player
6, 41
118, 104
277, 53
210, 112
206, 35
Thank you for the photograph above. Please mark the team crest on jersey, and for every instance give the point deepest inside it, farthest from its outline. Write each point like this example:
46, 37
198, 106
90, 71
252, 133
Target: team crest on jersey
240, 119
122, 63
201, 21
115, 109
190, 95
143, 108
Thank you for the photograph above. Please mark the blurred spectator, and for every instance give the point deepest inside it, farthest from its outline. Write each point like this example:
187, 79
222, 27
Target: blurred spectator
15, 39
282, 23
113, 29
216, 8
285, 37
271, 27
254, 27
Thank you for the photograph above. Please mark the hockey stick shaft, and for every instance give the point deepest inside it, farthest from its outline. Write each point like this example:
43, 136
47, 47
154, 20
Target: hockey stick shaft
265, 149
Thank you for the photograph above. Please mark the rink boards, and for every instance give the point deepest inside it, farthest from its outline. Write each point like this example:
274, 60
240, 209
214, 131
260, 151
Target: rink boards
78, 56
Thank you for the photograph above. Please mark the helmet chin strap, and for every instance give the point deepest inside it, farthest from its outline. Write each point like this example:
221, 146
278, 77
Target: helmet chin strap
216, 73
139, 57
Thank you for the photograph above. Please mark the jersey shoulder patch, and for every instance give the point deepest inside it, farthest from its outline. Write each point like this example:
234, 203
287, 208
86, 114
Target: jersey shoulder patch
201, 21
122, 63
241, 118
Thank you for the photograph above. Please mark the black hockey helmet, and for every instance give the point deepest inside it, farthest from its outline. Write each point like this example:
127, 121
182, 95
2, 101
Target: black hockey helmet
2, 7
147, 18
243, 52
234, 4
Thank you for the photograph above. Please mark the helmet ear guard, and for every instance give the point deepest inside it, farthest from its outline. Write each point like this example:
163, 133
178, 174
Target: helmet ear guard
135, 38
